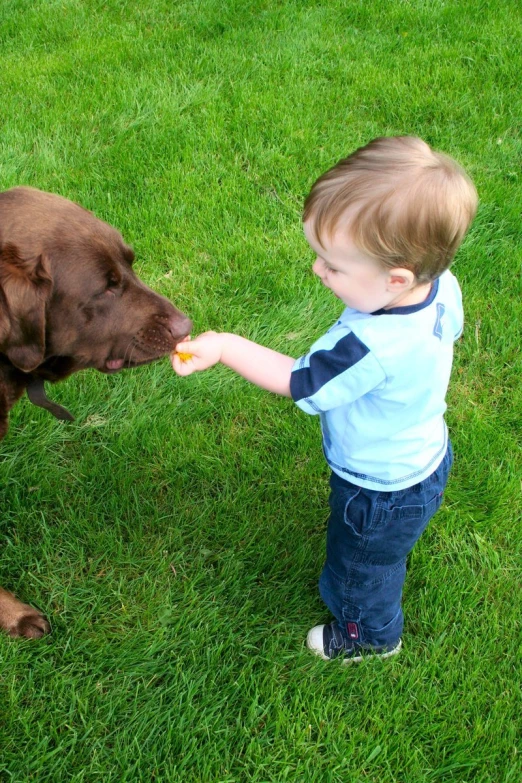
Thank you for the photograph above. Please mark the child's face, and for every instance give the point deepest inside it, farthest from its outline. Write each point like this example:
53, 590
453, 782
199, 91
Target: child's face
354, 277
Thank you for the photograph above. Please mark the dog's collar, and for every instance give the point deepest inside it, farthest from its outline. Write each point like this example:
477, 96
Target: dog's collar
37, 395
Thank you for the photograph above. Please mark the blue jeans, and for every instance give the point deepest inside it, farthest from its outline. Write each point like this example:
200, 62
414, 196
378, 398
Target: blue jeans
370, 534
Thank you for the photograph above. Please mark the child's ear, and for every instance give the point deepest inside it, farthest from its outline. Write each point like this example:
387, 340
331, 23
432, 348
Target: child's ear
400, 279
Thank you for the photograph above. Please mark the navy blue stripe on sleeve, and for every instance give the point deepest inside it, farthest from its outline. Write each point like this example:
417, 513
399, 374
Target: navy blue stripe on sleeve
326, 365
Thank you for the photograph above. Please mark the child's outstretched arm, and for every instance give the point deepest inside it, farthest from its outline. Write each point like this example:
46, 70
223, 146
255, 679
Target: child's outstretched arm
266, 368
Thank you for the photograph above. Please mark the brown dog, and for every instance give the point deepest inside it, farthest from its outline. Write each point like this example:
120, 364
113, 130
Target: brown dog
68, 300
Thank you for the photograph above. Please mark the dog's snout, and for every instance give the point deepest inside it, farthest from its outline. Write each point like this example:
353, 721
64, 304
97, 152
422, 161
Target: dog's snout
179, 326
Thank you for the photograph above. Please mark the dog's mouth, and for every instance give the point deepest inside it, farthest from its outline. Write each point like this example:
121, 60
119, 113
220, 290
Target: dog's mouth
115, 365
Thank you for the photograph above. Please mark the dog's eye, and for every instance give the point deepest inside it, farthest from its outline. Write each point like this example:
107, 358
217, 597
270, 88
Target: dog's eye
113, 283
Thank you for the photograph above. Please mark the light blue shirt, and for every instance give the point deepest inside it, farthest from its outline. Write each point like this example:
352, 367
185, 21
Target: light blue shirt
378, 382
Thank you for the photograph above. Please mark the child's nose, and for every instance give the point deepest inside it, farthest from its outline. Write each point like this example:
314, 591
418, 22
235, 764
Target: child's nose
318, 267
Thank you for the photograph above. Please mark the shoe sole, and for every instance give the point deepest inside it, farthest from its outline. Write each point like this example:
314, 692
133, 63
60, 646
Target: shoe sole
353, 658
369, 654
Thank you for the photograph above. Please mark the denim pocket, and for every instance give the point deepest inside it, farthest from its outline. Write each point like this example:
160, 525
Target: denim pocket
398, 528
417, 511
344, 506
356, 513
344, 535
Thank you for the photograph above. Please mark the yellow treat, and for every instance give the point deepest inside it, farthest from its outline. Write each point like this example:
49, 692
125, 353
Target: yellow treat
183, 357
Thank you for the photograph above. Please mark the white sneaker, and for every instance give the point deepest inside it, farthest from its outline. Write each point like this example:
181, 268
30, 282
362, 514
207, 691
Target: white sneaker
328, 643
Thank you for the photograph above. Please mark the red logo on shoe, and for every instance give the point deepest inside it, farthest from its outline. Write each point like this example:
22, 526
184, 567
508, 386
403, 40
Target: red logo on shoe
353, 631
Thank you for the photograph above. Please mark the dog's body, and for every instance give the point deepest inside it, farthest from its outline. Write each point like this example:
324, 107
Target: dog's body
69, 300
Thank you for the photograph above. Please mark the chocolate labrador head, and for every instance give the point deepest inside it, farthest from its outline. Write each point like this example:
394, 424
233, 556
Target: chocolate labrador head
69, 300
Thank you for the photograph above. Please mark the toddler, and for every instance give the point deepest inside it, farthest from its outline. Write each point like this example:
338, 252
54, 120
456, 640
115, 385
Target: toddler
384, 224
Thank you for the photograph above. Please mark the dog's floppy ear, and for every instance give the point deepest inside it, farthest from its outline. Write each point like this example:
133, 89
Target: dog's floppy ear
25, 288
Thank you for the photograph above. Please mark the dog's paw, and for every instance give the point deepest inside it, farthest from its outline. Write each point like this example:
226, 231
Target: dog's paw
21, 620
31, 624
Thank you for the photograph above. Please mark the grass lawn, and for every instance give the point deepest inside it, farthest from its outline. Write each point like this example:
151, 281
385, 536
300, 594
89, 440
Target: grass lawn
174, 533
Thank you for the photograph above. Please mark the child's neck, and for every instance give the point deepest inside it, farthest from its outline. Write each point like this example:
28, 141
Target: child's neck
415, 296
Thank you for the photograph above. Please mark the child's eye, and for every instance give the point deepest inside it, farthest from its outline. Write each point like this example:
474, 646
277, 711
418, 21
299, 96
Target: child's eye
329, 269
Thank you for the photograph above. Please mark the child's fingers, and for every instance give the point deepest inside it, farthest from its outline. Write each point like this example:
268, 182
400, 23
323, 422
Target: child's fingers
181, 355
184, 342
182, 366
198, 354
189, 345
185, 348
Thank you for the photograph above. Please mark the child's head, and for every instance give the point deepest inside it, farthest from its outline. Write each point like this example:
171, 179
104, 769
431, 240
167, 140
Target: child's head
400, 202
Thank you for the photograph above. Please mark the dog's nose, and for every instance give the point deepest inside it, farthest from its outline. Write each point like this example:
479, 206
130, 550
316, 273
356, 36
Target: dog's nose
179, 326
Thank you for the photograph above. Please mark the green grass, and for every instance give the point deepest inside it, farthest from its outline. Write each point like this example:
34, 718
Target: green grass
175, 532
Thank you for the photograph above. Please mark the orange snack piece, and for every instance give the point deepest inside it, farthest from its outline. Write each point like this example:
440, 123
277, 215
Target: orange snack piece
183, 357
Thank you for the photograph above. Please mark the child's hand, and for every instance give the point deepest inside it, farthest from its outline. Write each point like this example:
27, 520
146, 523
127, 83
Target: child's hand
199, 354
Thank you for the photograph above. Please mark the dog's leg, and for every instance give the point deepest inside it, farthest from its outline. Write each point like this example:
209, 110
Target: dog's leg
20, 619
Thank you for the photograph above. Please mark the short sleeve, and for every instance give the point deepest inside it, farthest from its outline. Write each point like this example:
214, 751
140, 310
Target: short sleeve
338, 370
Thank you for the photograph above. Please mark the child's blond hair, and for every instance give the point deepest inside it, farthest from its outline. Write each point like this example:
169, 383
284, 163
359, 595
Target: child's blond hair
407, 205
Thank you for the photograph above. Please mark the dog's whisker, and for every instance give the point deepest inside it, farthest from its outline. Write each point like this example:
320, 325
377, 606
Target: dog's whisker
128, 351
